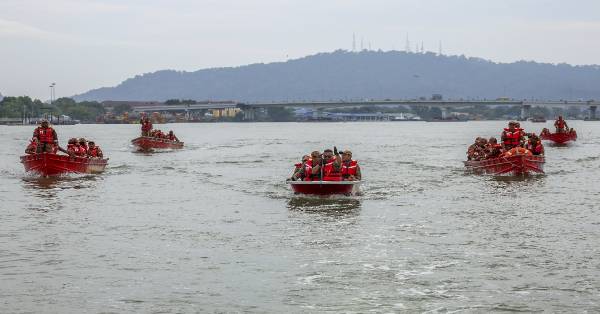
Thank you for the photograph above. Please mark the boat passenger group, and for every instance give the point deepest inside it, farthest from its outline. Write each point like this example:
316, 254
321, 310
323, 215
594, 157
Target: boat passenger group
45, 140
331, 165
561, 127
156, 133
514, 140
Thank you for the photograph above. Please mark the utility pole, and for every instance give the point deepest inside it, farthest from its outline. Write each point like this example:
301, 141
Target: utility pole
407, 48
353, 42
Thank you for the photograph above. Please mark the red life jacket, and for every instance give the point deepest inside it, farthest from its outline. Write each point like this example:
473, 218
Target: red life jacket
146, 126
329, 171
512, 138
298, 166
93, 152
560, 124
45, 135
73, 149
308, 176
82, 150
537, 149
172, 137
349, 168
31, 148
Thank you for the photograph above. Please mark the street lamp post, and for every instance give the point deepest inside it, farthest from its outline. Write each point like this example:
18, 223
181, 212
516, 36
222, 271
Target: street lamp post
52, 96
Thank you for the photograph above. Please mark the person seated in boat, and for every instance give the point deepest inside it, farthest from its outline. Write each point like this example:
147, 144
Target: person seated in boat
32, 147
94, 151
493, 149
46, 137
298, 168
535, 145
172, 136
512, 136
332, 165
572, 131
83, 146
472, 149
311, 170
73, 147
350, 167
561, 125
146, 126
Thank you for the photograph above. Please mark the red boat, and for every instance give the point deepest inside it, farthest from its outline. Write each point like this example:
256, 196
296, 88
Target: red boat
47, 164
511, 165
559, 138
147, 143
325, 187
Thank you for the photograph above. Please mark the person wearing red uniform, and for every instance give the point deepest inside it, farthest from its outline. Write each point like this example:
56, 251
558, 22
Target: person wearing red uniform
171, 136
83, 147
93, 150
493, 149
534, 145
561, 125
146, 126
32, 147
73, 147
332, 165
46, 137
512, 136
297, 175
350, 167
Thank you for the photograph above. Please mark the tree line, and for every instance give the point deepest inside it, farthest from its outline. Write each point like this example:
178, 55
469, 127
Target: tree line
25, 107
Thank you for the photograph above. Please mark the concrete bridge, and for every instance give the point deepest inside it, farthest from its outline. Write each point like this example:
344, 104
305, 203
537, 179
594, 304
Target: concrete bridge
444, 105
249, 108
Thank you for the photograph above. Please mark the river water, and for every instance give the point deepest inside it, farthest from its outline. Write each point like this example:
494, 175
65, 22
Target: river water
214, 227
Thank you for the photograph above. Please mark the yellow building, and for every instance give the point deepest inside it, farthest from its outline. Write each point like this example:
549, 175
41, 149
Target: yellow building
225, 112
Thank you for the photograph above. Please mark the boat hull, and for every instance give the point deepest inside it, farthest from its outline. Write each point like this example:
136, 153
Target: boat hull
147, 143
513, 165
325, 187
47, 164
559, 138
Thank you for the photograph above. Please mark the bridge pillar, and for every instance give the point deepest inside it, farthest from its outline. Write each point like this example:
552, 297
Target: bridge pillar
444, 112
525, 109
249, 114
593, 112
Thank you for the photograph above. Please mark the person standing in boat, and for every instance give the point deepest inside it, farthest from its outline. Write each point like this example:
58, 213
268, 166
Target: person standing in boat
512, 136
561, 125
46, 137
146, 126
350, 167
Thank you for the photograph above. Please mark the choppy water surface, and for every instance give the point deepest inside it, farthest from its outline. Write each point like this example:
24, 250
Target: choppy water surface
214, 227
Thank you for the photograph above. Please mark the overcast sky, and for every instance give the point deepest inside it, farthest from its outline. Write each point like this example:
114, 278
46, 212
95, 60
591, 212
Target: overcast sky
85, 44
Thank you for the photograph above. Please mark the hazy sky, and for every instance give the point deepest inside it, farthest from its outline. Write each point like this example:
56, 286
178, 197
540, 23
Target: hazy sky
85, 44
